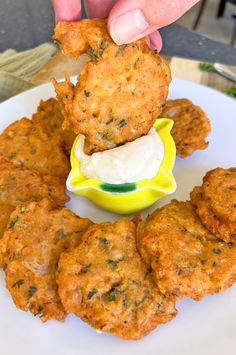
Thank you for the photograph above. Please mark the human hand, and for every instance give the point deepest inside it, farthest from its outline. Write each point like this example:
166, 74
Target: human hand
128, 20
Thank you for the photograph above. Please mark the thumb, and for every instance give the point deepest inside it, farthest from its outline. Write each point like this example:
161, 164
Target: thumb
130, 20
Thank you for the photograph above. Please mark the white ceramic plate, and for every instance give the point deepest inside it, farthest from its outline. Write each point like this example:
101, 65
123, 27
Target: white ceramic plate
201, 328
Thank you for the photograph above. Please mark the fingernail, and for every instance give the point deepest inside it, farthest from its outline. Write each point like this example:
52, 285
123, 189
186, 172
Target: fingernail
154, 41
128, 27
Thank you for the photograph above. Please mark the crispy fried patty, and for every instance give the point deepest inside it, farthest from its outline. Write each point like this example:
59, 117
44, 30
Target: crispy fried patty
215, 202
120, 91
191, 126
187, 260
106, 284
36, 235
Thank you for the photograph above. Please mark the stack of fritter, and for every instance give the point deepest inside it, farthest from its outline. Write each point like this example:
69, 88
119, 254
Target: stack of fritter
126, 277
34, 160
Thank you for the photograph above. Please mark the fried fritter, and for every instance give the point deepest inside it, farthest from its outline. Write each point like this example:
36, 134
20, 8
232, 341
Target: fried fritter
6, 209
215, 202
120, 91
25, 144
35, 237
50, 117
19, 185
106, 284
186, 259
191, 126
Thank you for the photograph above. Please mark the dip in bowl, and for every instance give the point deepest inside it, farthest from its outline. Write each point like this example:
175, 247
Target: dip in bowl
128, 178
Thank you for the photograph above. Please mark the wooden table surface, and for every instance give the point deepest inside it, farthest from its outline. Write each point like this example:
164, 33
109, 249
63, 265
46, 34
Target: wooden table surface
180, 68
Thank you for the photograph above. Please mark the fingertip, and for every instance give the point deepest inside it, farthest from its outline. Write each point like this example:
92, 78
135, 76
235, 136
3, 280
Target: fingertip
67, 10
154, 41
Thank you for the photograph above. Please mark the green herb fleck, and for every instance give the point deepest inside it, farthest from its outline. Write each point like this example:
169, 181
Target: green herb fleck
122, 123
87, 93
32, 290
60, 233
217, 251
33, 151
85, 268
120, 50
18, 284
13, 222
203, 261
136, 63
95, 55
125, 302
39, 311
109, 121
112, 263
12, 155
104, 242
231, 91
111, 297
91, 294
207, 67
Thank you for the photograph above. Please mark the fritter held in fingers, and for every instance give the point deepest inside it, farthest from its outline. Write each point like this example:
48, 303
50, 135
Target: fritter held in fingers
120, 91
215, 202
35, 237
19, 185
25, 144
187, 260
105, 283
49, 116
191, 126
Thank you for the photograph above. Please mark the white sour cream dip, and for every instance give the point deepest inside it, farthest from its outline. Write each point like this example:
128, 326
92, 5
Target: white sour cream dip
127, 163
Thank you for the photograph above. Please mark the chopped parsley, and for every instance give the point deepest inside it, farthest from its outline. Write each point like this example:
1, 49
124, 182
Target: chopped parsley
87, 93
13, 222
104, 242
91, 294
217, 251
31, 292
18, 283
112, 263
120, 50
85, 268
122, 123
60, 233
109, 121
95, 55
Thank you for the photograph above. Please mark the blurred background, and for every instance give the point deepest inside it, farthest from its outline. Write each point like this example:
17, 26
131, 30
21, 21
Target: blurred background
27, 23
217, 19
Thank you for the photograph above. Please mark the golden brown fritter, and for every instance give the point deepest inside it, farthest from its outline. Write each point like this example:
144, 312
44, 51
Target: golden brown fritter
19, 185
25, 144
191, 126
6, 209
120, 91
186, 259
50, 117
215, 202
106, 284
35, 237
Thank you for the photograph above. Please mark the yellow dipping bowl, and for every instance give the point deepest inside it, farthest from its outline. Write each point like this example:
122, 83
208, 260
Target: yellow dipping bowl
131, 197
